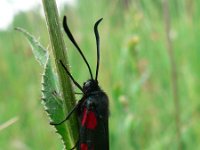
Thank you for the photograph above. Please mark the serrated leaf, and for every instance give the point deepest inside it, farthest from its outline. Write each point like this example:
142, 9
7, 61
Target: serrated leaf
40, 53
52, 102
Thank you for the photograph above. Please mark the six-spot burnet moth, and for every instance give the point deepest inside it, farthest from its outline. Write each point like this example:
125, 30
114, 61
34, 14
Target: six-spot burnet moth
92, 108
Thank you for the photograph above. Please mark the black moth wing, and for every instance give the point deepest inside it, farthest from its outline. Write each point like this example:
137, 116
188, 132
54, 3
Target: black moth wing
98, 138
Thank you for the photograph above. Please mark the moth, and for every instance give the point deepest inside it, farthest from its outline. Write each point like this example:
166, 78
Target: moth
93, 107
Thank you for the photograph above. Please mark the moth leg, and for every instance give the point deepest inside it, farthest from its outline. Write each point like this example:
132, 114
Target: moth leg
78, 93
69, 114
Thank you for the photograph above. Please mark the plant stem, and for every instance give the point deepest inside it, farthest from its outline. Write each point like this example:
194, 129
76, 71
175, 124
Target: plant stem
59, 53
174, 77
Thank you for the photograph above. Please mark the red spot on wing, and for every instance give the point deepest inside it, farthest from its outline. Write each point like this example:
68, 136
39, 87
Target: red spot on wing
84, 146
89, 119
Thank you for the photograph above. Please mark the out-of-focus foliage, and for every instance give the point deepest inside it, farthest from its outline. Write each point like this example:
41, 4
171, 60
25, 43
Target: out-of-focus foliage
134, 71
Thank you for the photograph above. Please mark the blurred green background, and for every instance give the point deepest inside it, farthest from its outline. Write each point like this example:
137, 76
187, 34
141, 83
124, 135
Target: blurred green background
135, 72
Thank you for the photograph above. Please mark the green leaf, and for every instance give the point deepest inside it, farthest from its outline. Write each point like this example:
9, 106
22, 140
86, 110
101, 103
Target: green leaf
40, 53
59, 53
53, 104
50, 86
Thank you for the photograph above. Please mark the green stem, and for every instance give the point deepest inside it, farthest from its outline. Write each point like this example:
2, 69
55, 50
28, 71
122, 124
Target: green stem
174, 76
59, 53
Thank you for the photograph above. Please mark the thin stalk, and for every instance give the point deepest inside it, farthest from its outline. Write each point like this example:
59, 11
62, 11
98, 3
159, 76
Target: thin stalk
174, 77
59, 53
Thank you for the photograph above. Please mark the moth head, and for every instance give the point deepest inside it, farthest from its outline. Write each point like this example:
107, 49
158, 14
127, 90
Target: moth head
90, 86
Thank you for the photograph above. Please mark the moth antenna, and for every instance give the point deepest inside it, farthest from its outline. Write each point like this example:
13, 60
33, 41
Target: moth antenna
98, 44
70, 36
